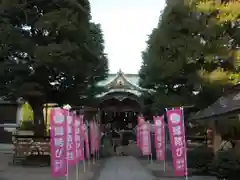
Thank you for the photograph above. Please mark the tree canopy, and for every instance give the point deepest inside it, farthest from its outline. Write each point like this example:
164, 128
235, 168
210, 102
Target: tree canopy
192, 54
50, 51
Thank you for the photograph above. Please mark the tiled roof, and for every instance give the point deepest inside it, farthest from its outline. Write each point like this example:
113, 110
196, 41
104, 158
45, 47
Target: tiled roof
121, 90
132, 78
224, 104
121, 82
4, 102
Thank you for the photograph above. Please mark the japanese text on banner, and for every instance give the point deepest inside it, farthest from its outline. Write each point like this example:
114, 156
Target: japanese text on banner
71, 143
145, 138
159, 137
58, 142
78, 139
140, 121
177, 139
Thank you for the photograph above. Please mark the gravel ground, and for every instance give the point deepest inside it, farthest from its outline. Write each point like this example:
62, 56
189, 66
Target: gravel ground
10, 172
157, 170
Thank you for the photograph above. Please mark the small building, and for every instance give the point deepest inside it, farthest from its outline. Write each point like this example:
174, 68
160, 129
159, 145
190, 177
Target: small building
12, 115
225, 109
8, 111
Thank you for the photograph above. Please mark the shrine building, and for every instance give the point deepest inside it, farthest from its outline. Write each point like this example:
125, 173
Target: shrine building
120, 103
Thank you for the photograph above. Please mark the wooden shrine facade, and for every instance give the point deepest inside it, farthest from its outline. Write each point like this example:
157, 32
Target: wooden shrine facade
121, 98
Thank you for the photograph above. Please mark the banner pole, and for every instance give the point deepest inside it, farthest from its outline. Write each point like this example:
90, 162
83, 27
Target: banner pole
96, 152
89, 154
186, 173
67, 170
84, 163
164, 162
77, 167
94, 142
89, 163
164, 166
97, 140
151, 159
93, 157
165, 142
165, 145
77, 173
97, 155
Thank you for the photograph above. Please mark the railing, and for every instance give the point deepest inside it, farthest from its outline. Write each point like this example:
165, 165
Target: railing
25, 146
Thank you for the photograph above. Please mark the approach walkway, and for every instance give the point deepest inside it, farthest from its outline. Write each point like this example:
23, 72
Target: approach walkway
124, 168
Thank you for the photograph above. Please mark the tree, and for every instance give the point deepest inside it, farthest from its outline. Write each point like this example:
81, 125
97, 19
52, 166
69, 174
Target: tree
50, 52
192, 53
99, 68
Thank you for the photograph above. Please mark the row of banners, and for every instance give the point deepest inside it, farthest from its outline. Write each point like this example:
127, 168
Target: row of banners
177, 139
70, 139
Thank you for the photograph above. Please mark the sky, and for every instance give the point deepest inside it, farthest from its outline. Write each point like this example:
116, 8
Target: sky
126, 25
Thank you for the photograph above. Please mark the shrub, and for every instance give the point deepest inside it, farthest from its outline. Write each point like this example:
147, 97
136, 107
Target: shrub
199, 158
226, 164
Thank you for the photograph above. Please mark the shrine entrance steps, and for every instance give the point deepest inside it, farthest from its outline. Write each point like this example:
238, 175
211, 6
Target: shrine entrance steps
124, 168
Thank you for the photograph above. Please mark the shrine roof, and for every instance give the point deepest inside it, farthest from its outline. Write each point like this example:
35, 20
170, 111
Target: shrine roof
227, 103
132, 78
121, 82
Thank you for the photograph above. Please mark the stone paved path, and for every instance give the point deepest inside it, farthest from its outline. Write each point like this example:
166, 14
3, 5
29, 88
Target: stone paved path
124, 168
9, 172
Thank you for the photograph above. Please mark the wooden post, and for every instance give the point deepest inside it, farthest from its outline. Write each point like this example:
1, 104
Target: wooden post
217, 138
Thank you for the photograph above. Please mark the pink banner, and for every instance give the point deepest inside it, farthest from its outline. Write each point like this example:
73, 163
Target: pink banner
82, 135
145, 139
58, 143
86, 140
177, 139
159, 137
97, 137
82, 127
140, 120
71, 143
78, 139
92, 137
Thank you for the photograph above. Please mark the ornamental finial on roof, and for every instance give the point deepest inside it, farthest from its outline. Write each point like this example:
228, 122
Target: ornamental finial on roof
120, 71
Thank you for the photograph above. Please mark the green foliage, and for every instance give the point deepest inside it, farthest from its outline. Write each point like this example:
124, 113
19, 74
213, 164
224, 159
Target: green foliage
194, 48
226, 165
50, 50
199, 158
